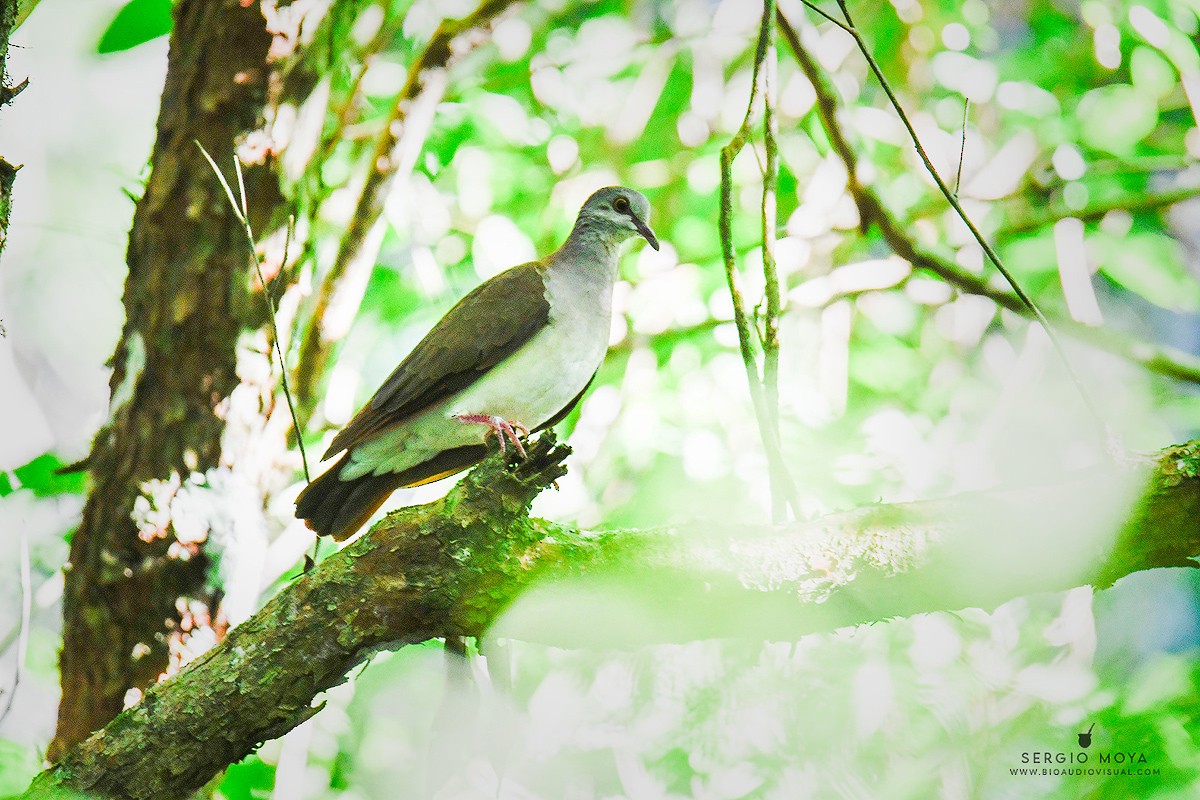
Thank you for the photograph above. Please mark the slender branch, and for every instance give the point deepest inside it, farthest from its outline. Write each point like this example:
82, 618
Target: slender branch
770, 339
782, 485
1038, 217
1167, 361
1025, 299
241, 209
933, 173
962, 148
822, 12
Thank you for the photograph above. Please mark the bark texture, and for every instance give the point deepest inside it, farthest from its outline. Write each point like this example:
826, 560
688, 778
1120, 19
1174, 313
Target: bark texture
186, 300
444, 568
8, 173
451, 567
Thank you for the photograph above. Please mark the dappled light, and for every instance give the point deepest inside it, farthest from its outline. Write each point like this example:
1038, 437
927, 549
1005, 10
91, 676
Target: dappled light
870, 489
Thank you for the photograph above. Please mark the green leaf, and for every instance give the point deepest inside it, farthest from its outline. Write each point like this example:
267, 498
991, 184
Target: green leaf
39, 477
136, 23
1151, 265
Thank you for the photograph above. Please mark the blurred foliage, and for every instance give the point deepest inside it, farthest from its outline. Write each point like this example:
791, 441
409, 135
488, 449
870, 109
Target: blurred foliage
894, 386
568, 96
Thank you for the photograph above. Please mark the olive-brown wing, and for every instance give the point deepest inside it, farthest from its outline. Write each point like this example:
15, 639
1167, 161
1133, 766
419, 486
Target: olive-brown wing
483, 329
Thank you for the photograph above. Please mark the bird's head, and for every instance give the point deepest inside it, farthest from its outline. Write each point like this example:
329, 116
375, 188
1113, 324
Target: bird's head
619, 213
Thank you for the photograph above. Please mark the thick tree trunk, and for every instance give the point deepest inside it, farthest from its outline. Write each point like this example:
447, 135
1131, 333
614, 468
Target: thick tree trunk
186, 301
451, 567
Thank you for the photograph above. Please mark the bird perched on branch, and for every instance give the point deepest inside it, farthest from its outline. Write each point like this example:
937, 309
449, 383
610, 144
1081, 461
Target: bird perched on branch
513, 356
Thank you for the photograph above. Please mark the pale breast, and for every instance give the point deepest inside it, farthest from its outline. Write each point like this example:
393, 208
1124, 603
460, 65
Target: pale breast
529, 387
537, 381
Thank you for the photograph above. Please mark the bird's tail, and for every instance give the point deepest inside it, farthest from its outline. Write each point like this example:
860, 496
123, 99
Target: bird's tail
338, 508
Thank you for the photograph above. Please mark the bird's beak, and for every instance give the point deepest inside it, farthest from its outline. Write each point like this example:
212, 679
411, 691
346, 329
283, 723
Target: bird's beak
645, 231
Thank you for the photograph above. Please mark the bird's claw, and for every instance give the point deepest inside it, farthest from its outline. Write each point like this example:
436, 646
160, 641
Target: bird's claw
499, 427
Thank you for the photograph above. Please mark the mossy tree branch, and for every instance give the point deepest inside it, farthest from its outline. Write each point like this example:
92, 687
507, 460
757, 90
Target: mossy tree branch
441, 569
451, 567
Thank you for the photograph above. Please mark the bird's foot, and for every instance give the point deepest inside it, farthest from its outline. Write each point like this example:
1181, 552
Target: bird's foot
500, 427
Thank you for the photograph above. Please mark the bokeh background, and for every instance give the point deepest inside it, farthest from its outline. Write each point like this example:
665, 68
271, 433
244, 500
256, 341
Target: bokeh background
894, 385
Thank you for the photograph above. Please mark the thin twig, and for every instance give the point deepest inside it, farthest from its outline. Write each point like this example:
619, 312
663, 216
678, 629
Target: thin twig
23, 631
271, 311
975, 232
241, 211
962, 148
826, 15
781, 480
1167, 361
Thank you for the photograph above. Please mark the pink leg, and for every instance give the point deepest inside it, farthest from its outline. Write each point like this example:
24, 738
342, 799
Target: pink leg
499, 426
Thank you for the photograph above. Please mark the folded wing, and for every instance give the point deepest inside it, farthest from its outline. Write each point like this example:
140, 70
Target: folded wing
483, 329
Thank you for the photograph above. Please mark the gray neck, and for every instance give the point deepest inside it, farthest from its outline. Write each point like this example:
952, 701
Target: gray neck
591, 249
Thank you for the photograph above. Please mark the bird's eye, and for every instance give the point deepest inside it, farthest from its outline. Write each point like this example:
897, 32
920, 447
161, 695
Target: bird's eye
621, 204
